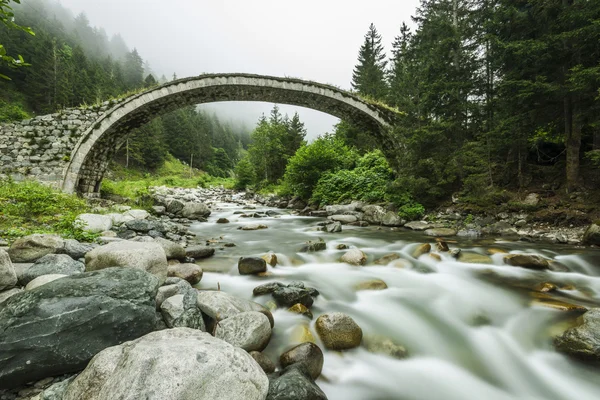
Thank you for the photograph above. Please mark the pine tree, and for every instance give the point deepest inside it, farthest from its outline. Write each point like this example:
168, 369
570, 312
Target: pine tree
133, 70
368, 77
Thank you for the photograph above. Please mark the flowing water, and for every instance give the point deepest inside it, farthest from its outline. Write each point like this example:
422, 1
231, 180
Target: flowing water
470, 330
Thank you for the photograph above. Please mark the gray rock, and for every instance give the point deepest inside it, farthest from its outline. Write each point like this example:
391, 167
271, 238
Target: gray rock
344, 219
8, 276
195, 211
189, 272
294, 383
311, 247
187, 364
354, 257
440, 232
174, 207
42, 280
198, 252
57, 391
77, 250
140, 225
308, 354
530, 261
93, 223
41, 330
164, 292
173, 251
582, 341
159, 210
220, 305
149, 257
265, 362
338, 331
5, 295
392, 219
267, 288
253, 227
341, 209
137, 214
251, 265
52, 264
592, 235
417, 225
177, 314
33, 247
288, 296
250, 331
335, 227
373, 214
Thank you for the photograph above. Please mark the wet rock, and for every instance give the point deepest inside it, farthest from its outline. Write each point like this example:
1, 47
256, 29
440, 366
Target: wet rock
187, 364
263, 361
421, 249
250, 331
222, 221
253, 227
191, 273
442, 246
8, 276
382, 345
199, 252
149, 257
220, 305
354, 257
301, 334
560, 305
335, 227
440, 232
386, 259
270, 258
311, 247
373, 284
301, 309
33, 247
338, 331
195, 211
294, 383
530, 261
288, 296
473, 258
583, 340
43, 280
41, 330
52, 264
342, 246
455, 252
308, 354
592, 235
267, 288
93, 223
251, 265
177, 312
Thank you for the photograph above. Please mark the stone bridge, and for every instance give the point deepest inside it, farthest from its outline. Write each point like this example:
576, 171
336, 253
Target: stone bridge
71, 149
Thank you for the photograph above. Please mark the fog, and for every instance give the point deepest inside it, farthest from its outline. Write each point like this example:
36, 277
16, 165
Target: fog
310, 39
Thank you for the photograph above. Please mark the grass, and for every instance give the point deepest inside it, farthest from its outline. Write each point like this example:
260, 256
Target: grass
31, 207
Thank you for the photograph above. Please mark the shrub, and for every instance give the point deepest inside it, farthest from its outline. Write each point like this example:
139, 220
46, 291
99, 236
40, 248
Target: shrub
244, 174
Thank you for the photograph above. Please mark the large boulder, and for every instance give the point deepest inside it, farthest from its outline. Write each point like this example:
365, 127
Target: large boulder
186, 364
77, 250
583, 340
149, 257
191, 273
373, 214
338, 331
33, 247
354, 257
250, 331
220, 305
198, 252
93, 223
52, 264
251, 265
8, 276
58, 327
42, 280
173, 251
344, 219
179, 312
195, 211
592, 234
289, 296
392, 219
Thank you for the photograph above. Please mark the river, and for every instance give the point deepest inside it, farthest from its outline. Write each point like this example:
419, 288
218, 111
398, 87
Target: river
470, 330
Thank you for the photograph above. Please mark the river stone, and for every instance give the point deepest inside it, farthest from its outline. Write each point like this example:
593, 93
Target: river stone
222, 221
195, 211
354, 257
373, 214
265, 362
301, 309
270, 258
252, 227
159, 210
421, 249
166, 291
93, 223
187, 364
386, 259
140, 225
251, 265
56, 391
5, 295
372, 284
198, 252
531, 261
582, 341
310, 247
267, 288
338, 331
174, 206
392, 219
8, 276
344, 219
288, 296
52, 264
177, 314
338, 209
473, 258
137, 214
33, 247
149, 257
294, 383
417, 225
335, 227
307, 353
250, 331
58, 327
382, 345
42, 280
220, 305
189, 272
173, 251
77, 250
440, 232
592, 234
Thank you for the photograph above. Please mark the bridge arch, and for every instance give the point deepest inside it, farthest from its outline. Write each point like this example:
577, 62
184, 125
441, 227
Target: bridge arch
95, 148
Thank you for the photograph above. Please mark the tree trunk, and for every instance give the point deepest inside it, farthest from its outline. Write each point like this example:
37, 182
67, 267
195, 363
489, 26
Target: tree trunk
572, 143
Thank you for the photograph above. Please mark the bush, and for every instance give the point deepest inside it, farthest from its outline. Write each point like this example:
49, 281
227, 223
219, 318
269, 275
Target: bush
311, 162
411, 211
244, 174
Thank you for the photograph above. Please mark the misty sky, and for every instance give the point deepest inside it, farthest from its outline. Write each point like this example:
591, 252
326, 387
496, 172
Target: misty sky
309, 39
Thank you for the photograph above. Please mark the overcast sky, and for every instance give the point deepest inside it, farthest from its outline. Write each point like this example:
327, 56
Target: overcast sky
310, 39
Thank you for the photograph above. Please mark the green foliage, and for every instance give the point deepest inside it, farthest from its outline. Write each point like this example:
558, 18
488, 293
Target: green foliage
411, 211
31, 207
244, 174
368, 77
